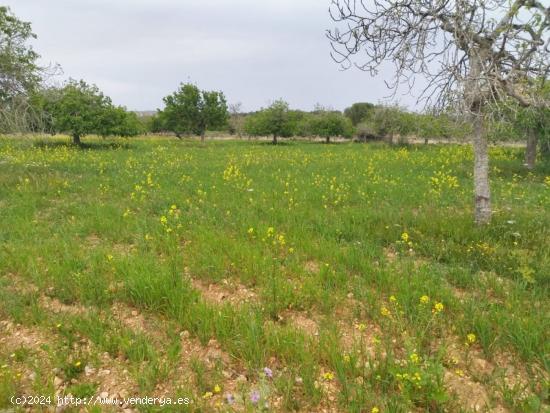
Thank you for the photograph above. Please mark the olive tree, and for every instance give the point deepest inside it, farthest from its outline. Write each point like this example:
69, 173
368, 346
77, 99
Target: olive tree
190, 110
471, 52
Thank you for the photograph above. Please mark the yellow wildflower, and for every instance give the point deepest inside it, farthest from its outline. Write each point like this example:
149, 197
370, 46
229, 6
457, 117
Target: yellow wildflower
217, 388
438, 307
385, 312
328, 376
424, 299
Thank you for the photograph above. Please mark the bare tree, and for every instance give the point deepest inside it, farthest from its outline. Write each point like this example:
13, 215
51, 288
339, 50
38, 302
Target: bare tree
236, 118
471, 53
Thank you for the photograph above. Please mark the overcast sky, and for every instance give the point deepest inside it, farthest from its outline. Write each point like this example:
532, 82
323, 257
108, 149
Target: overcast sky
138, 51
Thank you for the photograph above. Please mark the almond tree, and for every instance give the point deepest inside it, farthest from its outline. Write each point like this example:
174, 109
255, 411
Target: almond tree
471, 52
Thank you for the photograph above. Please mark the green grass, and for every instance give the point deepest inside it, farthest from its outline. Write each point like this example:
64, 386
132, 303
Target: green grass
347, 236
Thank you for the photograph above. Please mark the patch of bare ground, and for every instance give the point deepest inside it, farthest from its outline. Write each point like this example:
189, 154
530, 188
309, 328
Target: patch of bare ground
312, 267
113, 380
476, 381
57, 307
93, 241
14, 336
227, 291
180, 371
301, 321
470, 394
390, 253
123, 248
131, 318
110, 376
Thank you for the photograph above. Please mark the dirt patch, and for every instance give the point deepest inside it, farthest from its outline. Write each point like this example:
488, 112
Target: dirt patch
93, 241
228, 291
390, 253
13, 336
301, 321
123, 249
130, 317
468, 393
55, 306
312, 267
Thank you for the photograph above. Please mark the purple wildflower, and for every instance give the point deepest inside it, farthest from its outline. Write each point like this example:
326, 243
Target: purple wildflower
268, 372
230, 398
255, 396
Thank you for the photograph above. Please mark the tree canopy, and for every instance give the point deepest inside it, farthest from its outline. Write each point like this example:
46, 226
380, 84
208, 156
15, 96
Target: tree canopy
190, 110
81, 109
20, 74
277, 120
328, 124
359, 112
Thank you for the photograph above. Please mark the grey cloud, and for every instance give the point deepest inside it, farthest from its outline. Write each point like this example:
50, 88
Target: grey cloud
138, 51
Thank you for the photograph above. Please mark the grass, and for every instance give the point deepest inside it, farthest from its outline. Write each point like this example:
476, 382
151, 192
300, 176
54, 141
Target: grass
367, 284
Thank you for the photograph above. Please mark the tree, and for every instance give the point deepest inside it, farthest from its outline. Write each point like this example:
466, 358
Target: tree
431, 126
388, 121
327, 124
192, 111
81, 109
236, 119
276, 120
471, 52
20, 74
359, 112
512, 122
117, 121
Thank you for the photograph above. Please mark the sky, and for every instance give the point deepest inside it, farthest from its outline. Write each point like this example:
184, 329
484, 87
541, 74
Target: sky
255, 51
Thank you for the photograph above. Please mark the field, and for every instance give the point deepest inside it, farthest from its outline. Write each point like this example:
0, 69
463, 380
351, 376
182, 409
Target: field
251, 277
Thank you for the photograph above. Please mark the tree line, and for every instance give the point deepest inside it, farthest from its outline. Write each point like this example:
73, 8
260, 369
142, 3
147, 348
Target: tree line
487, 66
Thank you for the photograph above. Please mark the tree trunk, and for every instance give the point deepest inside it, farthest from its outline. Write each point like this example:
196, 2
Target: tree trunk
203, 133
531, 149
76, 139
274, 139
391, 138
482, 190
475, 102
426, 141
545, 148
328, 139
